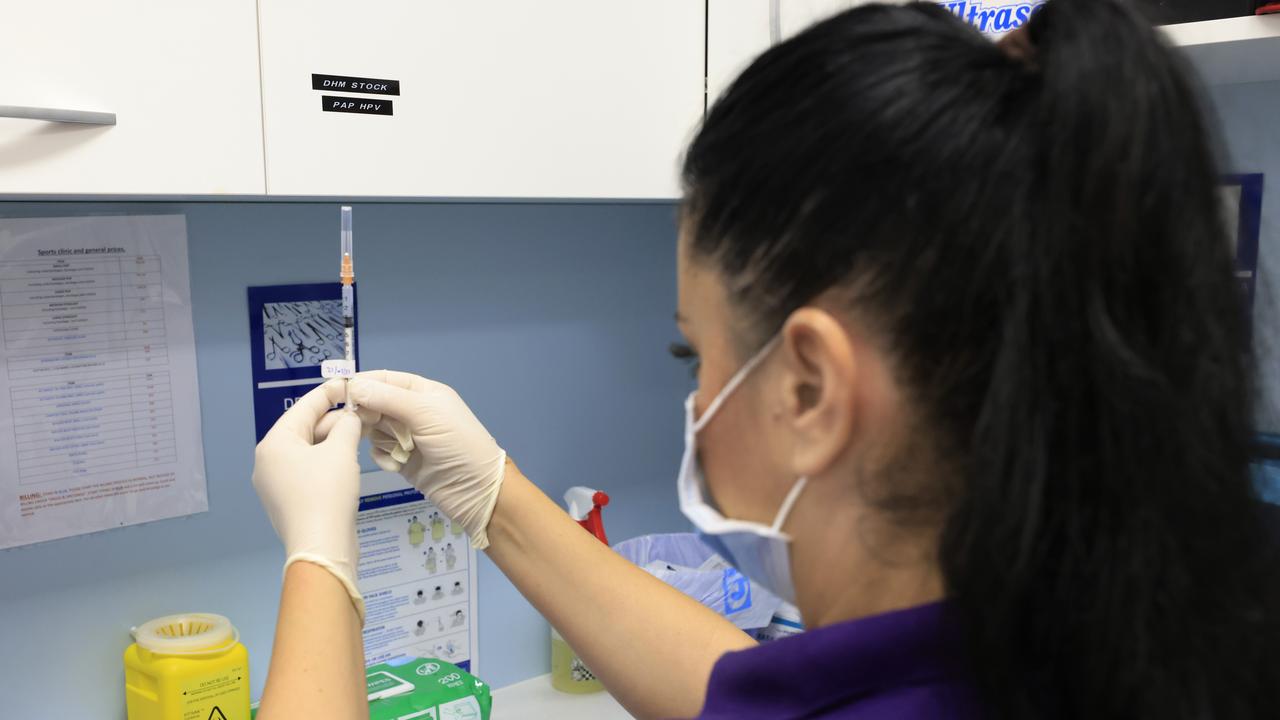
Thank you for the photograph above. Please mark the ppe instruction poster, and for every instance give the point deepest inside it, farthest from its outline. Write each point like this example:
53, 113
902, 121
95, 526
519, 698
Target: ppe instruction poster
99, 407
417, 574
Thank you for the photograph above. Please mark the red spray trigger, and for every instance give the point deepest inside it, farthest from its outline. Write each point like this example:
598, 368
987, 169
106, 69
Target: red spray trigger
584, 505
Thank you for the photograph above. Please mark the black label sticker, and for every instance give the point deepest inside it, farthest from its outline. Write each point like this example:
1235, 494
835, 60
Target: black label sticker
366, 106
346, 83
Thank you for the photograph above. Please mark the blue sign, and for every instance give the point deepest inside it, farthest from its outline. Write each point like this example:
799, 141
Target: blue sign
292, 329
993, 17
1243, 196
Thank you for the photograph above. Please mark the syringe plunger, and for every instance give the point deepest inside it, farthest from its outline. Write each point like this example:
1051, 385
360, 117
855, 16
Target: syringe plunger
347, 273
346, 229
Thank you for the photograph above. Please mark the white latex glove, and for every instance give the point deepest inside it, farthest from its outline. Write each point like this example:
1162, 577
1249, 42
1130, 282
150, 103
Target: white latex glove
392, 442
311, 488
450, 457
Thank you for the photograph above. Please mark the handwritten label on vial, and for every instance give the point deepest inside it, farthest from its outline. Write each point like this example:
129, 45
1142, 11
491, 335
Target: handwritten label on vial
337, 368
347, 83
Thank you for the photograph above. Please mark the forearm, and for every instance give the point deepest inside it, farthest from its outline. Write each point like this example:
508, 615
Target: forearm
650, 645
317, 663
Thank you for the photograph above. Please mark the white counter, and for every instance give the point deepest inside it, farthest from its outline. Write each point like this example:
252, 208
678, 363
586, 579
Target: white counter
535, 699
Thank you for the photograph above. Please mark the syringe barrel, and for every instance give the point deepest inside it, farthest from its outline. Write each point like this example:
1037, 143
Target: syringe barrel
347, 275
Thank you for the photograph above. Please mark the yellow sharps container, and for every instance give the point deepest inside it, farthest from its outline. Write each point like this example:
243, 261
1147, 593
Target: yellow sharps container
187, 667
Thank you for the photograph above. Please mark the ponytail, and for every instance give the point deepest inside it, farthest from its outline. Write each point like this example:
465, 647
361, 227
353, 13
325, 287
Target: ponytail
1107, 553
1035, 229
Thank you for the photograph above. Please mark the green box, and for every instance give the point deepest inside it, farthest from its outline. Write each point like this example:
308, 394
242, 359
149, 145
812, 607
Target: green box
426, 689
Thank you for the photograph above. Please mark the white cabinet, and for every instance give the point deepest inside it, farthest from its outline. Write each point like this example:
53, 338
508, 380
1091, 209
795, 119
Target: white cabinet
796, 15
497, 98
739, 30
1232, 50
180, 77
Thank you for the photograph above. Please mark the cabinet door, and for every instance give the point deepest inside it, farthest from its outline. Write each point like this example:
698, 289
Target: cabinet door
497, 98
180, 77
796, 15
739, 30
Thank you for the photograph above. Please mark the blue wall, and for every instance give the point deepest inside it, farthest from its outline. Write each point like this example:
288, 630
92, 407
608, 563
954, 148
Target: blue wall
552, 320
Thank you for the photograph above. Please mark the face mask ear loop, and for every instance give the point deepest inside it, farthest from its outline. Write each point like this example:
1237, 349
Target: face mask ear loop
790, 500
734, 382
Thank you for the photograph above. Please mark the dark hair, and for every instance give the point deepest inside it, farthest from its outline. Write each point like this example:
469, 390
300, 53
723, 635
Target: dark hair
1035, 231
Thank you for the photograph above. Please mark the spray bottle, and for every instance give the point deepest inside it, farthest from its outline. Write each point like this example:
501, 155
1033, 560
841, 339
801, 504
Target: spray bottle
568, 673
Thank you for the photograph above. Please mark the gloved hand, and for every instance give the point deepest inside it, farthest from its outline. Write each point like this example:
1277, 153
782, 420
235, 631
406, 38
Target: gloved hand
424, 431
311, 489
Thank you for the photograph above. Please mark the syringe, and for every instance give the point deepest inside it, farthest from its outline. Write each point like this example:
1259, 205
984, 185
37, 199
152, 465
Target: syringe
347, 275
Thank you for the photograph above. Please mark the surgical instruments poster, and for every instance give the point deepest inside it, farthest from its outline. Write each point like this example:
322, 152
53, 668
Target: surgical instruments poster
417, 574
99, 407
292, 329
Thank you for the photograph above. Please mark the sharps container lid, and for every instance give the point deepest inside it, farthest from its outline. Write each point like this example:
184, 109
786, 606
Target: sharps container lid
186, 634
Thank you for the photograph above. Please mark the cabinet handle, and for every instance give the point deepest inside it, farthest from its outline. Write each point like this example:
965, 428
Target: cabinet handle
86, 117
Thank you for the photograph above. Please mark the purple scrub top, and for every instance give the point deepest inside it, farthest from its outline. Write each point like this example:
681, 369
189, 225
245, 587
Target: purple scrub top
902, 664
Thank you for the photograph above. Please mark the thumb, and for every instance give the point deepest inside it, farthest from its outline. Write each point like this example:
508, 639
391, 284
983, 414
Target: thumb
396, 402
346, 432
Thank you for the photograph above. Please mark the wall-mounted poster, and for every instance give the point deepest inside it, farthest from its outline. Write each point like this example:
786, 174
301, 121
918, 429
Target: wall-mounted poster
1256, 270
99, 410
417, 574
1242, 209
292, 330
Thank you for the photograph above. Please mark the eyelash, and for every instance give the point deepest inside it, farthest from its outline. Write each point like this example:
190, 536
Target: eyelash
688, 355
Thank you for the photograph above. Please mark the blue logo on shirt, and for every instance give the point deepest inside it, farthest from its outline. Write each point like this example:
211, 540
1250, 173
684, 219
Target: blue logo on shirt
737, 591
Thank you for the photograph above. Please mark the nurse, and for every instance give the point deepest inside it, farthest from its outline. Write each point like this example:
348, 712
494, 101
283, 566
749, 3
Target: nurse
973, 391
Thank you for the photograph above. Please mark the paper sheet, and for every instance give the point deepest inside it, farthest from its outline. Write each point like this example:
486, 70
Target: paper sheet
417, 574
99, 408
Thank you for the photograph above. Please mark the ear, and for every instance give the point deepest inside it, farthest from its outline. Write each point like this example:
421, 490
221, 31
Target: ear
821, 363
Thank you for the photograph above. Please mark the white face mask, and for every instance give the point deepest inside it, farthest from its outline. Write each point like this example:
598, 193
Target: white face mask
758, 551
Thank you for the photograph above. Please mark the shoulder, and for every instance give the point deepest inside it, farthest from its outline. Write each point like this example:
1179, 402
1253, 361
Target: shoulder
907, 663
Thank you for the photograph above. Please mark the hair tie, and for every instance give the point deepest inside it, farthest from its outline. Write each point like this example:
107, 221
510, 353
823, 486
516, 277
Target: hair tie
1018, 46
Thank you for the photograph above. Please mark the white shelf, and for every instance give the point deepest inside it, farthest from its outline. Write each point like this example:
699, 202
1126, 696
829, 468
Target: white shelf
1232, 50
535, 699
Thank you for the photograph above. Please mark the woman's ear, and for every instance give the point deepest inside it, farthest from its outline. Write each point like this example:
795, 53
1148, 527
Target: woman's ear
821, 388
